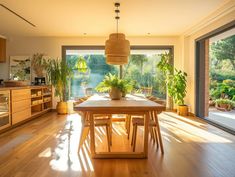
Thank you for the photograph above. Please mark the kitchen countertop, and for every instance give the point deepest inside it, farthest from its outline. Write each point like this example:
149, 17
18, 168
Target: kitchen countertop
22, 87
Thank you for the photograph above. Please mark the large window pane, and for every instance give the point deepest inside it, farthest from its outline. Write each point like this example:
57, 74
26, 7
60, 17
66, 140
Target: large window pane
141, 69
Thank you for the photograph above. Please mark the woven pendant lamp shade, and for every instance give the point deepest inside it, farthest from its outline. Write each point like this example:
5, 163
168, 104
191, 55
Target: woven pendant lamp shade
117, 49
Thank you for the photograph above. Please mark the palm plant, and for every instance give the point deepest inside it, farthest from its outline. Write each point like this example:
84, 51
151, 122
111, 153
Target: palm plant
59, 72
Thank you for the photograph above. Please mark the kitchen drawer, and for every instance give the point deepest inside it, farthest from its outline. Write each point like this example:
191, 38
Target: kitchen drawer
21, 105
21, 116
21, 94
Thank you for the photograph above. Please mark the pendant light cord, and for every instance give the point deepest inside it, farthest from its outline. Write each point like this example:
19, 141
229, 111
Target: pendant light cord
117, 11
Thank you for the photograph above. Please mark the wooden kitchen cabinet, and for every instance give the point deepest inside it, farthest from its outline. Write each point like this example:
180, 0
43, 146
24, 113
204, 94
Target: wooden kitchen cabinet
24, 104
2, 50
21, 105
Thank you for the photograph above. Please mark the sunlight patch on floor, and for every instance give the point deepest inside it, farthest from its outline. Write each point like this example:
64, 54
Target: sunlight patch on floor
191, 132
65, 156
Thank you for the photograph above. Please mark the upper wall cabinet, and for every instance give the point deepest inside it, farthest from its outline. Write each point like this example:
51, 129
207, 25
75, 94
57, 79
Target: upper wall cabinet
2, 50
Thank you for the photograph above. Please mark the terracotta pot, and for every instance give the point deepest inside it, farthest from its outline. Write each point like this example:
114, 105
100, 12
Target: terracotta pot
123, 94
182, 110
223, 107
115, 93
62, 107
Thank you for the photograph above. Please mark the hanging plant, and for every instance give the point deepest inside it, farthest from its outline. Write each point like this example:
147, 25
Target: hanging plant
81, 65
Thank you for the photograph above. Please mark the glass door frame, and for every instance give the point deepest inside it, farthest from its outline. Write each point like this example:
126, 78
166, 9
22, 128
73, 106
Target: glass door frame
202, 72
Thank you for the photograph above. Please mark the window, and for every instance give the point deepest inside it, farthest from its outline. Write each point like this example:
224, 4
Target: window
141, 69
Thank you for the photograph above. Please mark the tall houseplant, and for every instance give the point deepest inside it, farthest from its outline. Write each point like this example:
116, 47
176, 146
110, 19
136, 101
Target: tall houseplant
177, 90
176, 83
167, 70
60, 73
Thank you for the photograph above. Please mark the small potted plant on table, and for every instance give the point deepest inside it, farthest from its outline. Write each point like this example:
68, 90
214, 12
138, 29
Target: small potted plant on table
116, 87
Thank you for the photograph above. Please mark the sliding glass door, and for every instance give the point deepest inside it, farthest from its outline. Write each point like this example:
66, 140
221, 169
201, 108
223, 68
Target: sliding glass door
215, 77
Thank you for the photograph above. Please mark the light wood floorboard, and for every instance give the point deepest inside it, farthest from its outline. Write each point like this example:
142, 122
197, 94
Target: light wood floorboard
47, 147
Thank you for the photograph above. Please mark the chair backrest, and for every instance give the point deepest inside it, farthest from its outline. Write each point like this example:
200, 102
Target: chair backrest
89, 91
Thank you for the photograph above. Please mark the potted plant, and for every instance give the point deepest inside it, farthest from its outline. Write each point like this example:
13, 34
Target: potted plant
177, 90
111, 84
38, 64
115, 86
60, 72
126, 87
224, 104
167, 70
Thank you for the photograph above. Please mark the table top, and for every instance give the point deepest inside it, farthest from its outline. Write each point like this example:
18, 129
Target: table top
129, 103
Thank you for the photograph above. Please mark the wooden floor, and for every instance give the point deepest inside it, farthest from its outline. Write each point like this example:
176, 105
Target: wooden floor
47, 146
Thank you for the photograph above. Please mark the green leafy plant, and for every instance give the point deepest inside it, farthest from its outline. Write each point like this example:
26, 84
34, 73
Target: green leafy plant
226, 89
109, 81
112, 80
165, 65
175, 79
60, 72
177, 86
225, 101
126, 86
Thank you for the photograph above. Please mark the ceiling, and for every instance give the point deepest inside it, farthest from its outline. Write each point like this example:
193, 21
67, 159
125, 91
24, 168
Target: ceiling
96, 17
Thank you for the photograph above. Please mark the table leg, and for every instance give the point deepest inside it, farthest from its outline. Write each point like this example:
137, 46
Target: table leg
146, 133
128, 125
159, 133
92, 134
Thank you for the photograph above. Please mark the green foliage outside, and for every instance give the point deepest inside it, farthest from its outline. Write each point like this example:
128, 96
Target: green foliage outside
222, 70
141, 70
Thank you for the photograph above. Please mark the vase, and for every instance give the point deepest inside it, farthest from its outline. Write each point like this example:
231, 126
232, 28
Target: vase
115, 93
62, 107
182, 110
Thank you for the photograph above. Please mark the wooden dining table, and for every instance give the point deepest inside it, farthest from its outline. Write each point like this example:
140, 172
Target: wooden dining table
130, 105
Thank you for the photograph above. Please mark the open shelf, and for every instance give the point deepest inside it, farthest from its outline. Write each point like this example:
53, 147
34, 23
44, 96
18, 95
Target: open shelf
46, 94
40, 94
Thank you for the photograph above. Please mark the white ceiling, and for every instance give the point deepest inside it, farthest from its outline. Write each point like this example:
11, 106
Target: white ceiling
96, 17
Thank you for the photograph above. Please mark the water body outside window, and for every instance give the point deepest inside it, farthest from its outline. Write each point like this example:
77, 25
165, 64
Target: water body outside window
141, 68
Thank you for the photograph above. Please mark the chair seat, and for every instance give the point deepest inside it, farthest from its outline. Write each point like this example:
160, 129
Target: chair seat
102, 122
140, 122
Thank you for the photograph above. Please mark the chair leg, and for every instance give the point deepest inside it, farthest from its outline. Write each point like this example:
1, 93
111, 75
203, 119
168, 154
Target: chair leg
110, 133
84, 133
159, 137
151, 133
133, 134
135, 137
128, 125
108, 137
156, 136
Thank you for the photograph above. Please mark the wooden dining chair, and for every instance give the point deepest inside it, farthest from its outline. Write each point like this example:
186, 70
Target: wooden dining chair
105, 120
154, 129
99, 121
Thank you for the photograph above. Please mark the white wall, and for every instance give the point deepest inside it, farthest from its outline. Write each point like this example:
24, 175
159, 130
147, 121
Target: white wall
51, 46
